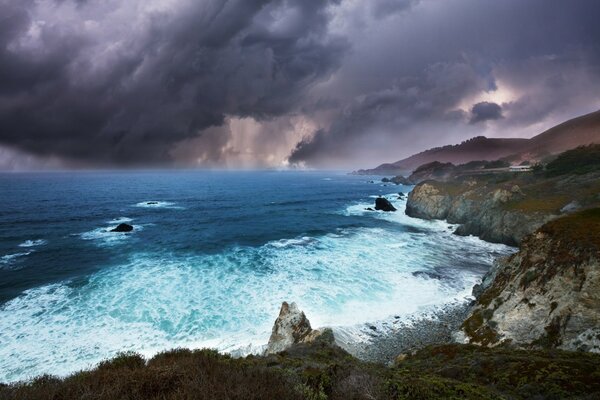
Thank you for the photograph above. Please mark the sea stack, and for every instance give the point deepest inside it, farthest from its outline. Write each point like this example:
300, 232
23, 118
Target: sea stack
384, 204
122, 228
292, 327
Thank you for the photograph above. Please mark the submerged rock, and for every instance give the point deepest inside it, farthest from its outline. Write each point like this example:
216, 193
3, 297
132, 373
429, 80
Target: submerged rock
122, 228
292, 327
384, 204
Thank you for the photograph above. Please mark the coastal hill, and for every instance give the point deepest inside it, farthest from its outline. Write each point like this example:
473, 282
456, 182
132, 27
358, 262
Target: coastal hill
570, 134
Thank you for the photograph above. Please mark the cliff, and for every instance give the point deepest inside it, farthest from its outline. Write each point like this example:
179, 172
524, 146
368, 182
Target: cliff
503, 207
547, 294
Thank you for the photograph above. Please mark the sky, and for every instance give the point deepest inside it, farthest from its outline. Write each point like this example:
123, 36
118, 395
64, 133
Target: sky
284, 83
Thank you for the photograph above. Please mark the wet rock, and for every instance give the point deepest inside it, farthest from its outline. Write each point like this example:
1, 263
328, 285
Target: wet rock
122, 228
152, 203
384, 204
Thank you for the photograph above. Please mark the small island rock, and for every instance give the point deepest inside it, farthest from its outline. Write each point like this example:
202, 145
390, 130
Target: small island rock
384, 204
122, 228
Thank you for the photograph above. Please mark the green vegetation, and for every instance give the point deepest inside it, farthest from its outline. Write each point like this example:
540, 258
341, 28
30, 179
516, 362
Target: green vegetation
321, 372
579, 232
580, 160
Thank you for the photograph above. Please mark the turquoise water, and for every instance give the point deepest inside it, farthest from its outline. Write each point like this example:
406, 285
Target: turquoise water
209, 264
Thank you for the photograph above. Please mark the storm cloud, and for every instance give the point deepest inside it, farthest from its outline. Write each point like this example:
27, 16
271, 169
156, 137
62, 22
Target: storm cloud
122, 82
485, 111
262, 83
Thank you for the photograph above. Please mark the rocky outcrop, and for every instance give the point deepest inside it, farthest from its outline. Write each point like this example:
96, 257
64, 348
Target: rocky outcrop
292, 327
383, 204
480, 210
547, 294
398, 180
122, 228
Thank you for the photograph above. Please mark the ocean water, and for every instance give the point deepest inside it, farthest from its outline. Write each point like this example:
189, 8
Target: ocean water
211, 258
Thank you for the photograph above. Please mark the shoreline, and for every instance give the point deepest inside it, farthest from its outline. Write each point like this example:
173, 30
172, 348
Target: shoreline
403, 336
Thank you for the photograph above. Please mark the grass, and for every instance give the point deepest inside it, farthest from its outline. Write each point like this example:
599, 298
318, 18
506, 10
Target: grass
321, 371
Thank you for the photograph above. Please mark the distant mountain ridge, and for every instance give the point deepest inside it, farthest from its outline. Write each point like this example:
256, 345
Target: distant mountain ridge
567, 135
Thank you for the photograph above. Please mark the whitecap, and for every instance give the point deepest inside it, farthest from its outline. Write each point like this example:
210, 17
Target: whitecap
158, 204
8, 261
105, 237
33, 243
283, 243
120, 220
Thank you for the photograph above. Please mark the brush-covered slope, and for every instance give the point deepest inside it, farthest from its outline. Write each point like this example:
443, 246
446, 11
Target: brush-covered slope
320, 371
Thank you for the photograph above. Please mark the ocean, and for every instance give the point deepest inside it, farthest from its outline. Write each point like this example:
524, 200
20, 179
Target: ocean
212, 256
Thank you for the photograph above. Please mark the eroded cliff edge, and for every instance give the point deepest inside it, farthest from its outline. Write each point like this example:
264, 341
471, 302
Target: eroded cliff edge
503, 208
546, 295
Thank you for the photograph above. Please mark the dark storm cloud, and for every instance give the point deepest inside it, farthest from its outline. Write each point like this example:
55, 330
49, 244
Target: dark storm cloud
537, 61
97, 81
485, 111
362, 81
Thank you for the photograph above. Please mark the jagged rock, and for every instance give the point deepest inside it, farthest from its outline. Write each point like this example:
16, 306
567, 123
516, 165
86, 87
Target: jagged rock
546, 295
292, 327
384, 204
369, 209
479, 211
122, 228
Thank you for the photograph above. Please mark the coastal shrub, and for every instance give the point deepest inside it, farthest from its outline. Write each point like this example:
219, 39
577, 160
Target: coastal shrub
580, 160
322, 372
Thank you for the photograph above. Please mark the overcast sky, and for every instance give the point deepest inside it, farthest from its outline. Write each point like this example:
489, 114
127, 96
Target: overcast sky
258, 83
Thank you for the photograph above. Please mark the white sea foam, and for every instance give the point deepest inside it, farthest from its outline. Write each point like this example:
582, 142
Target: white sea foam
33, 243
9, 261
120, 220
282, 243
158, 204
229, 300
104, 237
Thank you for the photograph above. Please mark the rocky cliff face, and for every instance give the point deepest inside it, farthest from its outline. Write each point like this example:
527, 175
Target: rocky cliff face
479, 209
547, 294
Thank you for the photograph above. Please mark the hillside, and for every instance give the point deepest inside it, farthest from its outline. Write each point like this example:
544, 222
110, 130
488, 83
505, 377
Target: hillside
575, 132
321, 371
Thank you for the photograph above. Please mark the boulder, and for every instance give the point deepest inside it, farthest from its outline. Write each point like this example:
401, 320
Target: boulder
384, 204
292, 327
122, 228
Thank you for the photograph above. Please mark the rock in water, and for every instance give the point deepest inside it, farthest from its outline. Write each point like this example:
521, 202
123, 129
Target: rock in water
292, 327
383, 204
122, 228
